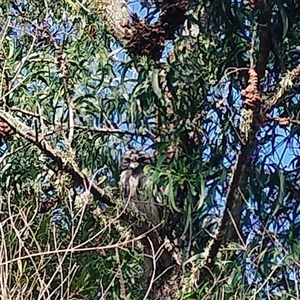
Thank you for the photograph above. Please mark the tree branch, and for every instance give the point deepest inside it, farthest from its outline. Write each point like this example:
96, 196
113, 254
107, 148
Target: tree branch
234, 204
112, 131
226, 231
88, 128
63, 161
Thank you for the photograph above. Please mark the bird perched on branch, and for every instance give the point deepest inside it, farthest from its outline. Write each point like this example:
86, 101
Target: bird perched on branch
132, 180
134, 192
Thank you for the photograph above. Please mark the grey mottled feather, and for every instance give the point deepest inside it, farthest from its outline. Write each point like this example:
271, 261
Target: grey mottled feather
132, 184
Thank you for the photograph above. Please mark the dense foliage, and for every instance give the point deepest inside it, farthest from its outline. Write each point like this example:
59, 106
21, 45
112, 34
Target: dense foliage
76, 93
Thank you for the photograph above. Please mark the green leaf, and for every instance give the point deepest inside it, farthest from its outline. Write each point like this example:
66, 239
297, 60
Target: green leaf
155, 82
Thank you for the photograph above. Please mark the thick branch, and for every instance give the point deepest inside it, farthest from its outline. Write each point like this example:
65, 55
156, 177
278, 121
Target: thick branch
234, 205
142, 36
232, 213
61, 159
265, 40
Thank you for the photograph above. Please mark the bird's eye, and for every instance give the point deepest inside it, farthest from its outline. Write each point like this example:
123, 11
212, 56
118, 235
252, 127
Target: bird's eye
127, 159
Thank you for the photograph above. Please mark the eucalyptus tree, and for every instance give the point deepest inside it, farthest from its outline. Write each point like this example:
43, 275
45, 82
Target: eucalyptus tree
209, 89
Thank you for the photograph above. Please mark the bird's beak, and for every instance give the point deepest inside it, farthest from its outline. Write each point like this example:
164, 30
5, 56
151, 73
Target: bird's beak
134, 165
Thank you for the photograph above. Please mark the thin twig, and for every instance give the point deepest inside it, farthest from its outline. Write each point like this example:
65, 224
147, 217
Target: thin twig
111, 131
153, 270
237, 229
269, 277
28, 113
